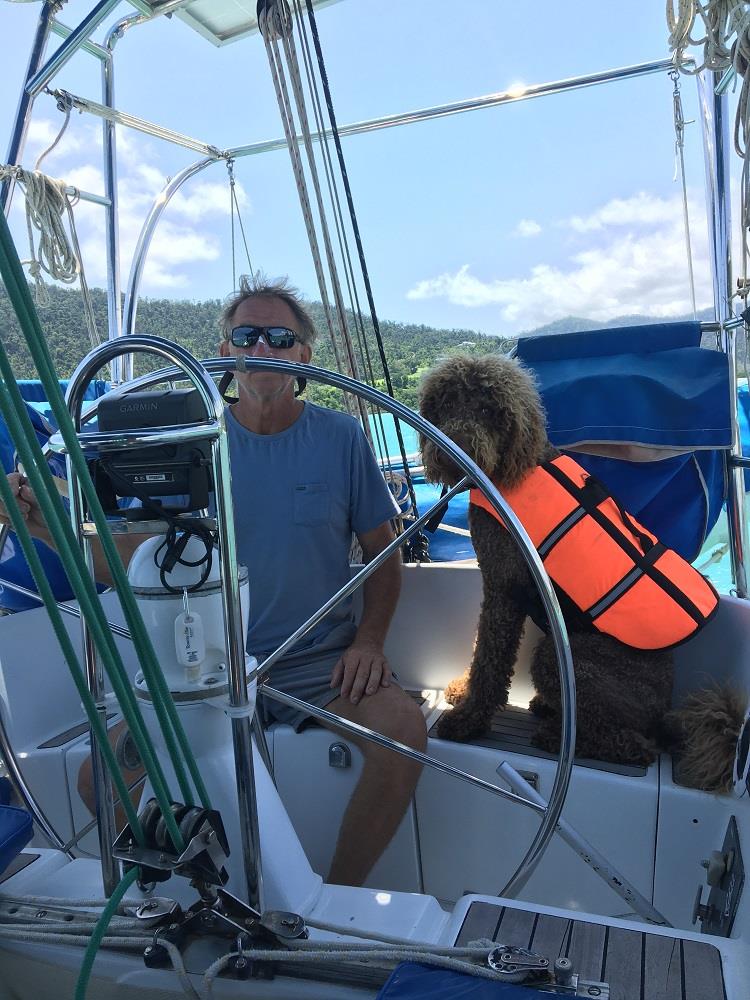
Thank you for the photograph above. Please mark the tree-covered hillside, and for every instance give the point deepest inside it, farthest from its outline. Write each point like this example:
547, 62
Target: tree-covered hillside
409, 348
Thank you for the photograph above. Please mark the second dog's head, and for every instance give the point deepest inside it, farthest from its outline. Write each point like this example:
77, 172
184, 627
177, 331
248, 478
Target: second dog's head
490, 408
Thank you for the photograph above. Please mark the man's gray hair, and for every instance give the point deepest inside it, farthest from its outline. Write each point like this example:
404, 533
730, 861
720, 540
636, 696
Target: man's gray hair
258, 286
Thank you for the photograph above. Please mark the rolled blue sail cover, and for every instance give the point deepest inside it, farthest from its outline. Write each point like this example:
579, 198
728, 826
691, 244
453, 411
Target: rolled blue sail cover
656, 405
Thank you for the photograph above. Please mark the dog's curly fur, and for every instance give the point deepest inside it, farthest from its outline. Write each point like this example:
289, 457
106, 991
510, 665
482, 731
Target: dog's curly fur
705, 729
489, 407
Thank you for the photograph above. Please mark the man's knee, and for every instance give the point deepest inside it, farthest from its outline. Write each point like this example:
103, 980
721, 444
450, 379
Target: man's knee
390, 712
400, 718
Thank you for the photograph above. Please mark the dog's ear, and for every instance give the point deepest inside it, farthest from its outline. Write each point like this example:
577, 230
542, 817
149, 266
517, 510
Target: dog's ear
491, 405
518, 413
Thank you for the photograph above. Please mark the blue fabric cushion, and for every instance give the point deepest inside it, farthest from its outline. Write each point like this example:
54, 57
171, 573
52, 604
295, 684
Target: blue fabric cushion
15, 833
411, 981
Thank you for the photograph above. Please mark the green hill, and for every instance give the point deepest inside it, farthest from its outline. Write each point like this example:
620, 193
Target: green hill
409, 348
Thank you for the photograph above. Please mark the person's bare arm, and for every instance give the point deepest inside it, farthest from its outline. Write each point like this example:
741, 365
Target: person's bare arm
364, 668
29, 507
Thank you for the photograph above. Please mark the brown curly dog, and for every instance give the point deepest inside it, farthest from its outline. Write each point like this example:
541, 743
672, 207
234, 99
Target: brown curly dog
490, 408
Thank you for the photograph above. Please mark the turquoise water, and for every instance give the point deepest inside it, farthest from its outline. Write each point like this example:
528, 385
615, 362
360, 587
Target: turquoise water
385, 425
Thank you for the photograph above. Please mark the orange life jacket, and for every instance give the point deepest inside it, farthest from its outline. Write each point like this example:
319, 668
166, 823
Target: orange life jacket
623, 580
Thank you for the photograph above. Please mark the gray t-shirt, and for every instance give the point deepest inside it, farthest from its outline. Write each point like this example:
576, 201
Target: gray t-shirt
298, 496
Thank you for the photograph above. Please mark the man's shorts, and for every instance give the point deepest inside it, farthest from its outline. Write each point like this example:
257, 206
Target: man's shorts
306, 674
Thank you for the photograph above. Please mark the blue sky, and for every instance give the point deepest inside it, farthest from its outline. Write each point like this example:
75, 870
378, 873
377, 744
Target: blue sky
498, 220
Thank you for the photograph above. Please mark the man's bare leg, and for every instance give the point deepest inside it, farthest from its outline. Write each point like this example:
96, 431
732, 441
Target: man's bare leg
386, 784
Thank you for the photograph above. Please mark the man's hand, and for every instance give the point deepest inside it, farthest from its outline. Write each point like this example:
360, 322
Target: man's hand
28, 505
361, 671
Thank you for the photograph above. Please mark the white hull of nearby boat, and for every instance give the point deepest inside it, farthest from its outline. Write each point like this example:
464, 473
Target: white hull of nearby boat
457, 839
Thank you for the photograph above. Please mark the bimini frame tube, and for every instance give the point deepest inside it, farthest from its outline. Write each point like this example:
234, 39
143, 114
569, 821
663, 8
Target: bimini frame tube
26, 101
715, 127
122, 367
70, 46
371, 125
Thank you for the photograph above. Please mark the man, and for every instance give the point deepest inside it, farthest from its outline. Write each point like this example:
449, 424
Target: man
304, 478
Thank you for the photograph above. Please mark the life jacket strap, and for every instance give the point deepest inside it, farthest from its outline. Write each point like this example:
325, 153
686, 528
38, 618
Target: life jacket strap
589, 497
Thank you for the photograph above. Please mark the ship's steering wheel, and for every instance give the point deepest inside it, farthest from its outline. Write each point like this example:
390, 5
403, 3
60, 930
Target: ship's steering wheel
473, 476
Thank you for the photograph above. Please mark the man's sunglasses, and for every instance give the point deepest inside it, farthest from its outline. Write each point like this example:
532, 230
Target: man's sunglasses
275, 336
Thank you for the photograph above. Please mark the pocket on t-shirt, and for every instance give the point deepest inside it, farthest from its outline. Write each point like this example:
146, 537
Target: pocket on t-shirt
312, 503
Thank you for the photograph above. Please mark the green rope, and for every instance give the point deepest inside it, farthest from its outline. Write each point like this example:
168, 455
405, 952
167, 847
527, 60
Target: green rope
174, 734
45, 591
99, 930
13, 411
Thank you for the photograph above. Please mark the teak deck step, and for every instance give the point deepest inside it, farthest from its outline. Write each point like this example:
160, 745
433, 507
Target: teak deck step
513, 730
636, 965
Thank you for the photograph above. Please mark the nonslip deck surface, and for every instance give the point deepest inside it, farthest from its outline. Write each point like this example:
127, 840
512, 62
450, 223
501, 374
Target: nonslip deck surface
513, 730
636, 965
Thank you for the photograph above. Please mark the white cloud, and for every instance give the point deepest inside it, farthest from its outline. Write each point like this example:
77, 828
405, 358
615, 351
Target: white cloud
184, 237
638, 269
207, 198
527, 227
642, 209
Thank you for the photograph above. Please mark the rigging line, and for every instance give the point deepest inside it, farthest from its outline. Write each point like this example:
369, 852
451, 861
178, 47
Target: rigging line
242, 232
356, 308
67, 541
268, 31
358, 239
230, 172
679, 148
741, 134
88, 304
47, 199
365, 359
234, 209
65, 106
287, 39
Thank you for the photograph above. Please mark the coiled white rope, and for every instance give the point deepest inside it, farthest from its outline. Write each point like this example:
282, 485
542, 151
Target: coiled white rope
722, 19
48, 203
726, 43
